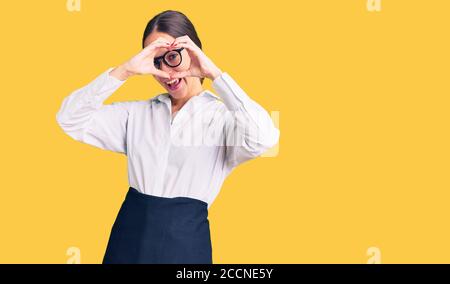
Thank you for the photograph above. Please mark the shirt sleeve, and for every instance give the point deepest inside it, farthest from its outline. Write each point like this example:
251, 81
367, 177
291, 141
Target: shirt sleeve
85, 118
249, 130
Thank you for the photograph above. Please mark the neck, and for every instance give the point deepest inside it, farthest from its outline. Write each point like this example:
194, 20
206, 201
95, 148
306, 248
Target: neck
196, 88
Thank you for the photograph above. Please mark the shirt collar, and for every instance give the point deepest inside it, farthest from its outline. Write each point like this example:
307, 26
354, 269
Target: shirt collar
205, 93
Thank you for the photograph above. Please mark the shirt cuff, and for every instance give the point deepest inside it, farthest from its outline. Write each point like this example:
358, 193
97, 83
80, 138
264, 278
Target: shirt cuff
112, 78
105, 85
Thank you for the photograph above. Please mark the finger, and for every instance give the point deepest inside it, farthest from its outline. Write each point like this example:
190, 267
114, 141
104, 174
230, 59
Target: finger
176, 40
192, 50
187, 46
162, 39
158, 44
150, 49
154, 45
181, 74
181, 39
186, 39
161, 74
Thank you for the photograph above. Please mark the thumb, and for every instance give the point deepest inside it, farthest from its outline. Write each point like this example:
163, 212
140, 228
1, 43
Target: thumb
161, 74
180, 74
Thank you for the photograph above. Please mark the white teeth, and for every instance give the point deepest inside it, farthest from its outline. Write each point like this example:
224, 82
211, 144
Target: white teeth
172, 81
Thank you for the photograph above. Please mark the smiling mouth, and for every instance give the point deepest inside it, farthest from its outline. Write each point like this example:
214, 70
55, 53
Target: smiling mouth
173, 84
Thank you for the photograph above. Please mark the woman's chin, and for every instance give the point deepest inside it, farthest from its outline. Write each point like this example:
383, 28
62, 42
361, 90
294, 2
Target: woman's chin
180, 91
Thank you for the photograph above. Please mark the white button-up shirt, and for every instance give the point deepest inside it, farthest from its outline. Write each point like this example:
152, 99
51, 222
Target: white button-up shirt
188, 154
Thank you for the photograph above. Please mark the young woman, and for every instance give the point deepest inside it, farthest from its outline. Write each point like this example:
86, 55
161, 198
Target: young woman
180, 144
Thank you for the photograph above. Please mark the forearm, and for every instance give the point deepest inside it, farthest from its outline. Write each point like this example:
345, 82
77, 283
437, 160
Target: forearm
216, 72
84, 116
121, 72
81, 102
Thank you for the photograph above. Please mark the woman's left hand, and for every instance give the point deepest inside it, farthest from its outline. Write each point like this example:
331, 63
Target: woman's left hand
201, 66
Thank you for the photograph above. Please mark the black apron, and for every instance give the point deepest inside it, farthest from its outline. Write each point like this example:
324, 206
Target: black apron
160, 230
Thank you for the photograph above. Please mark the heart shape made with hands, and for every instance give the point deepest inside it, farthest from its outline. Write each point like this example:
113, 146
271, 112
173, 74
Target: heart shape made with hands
194, 69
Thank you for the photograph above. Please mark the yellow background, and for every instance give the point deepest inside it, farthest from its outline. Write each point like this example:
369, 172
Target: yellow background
364, 114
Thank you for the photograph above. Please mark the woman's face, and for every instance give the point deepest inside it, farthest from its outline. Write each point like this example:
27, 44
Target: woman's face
179, 89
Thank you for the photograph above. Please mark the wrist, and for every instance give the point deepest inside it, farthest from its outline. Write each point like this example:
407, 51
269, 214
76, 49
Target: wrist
216, 73
121, 72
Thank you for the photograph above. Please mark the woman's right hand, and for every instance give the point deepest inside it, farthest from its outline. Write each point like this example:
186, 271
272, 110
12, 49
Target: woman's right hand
142, 63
